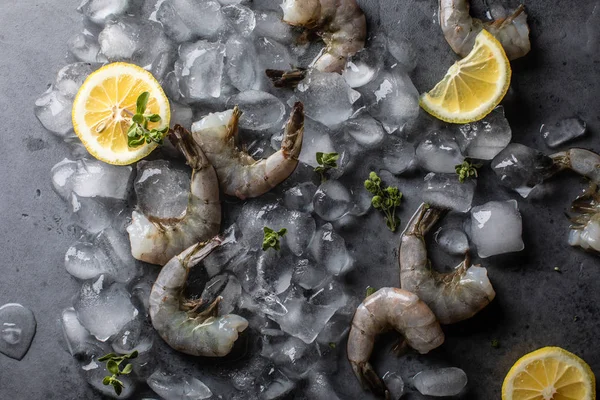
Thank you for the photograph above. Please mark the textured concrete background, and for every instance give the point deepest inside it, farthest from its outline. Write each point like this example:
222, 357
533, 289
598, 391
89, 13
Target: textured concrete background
535, 306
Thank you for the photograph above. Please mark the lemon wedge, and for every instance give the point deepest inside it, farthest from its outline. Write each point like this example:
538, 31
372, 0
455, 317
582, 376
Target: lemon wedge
104, 106
473, 86
550, 373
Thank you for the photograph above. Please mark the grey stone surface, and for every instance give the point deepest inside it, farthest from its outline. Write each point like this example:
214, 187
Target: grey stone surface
535, 305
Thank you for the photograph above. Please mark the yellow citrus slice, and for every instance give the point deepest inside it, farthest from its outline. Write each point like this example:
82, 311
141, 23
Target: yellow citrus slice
550, 373
473, 86
103, 108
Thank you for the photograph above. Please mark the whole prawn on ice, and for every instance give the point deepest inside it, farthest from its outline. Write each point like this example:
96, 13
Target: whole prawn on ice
460, 29
340, 23
453, 296
389, 309
157, 240
239, 174
178, 322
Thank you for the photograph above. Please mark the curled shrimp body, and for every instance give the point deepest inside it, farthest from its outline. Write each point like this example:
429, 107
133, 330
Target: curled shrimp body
460, 29
177, 321
389, 309
453, 296
156, 240
239, 174
585, 228
584, 162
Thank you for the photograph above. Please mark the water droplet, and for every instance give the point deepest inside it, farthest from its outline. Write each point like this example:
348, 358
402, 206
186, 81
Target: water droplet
17, 328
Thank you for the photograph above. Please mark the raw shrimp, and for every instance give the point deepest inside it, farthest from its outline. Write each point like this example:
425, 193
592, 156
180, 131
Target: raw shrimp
340, 23
584, 162
156, 240
239, 174
585, 230
460, 29
453, 296
178, 322
384, 310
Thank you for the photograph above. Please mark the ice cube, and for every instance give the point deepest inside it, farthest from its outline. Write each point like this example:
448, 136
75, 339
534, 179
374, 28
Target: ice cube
335, 330
178, 387
365, 130
226, 286
272, 54
392, 99
317, 138
308, 275
91, 214
230, 254
300, 230
329, 250
258, 213
291, 354
439, 152
126, 38
242, 63
199, 70
319, 387
84, 261
446, 191
300, 197
395, 384
53, 110
521, 168
162, 188
404, 52
327, 97
453, 241
562, 131
364, 66
104, 308
136, 335
182, 115
398, 155
270, 25
332, 201
117, 254
76, 336
98, 11
496, 228
260, 110
277, 385
240, 17
440, 382
91, 178
85, 47
486, 138
274, 271
244, 375
186, 20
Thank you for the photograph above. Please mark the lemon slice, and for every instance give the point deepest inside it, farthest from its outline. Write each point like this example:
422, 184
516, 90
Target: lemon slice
473, 86
103, 108
550, 373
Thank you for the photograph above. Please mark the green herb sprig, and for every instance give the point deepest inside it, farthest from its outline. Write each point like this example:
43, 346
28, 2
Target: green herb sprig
138, 132
326, 162
466, 170
384, 199
271, 239
370, 291
113, 363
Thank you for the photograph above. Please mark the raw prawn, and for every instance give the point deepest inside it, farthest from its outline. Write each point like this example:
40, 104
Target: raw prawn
453, 296
340, 23
584, 162
460, 29
178, 322
156, 240
384, 310
585, 230
239, 174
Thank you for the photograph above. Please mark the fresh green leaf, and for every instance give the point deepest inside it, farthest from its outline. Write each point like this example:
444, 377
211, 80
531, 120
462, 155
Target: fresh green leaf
106, 381
142, 102
332, 345
154, 118
466, 170
132, 355
271, 238
118, 386
138, 119
370, 291
385, 200
112, 367
319, 157
127, 369
107, 357
326, 162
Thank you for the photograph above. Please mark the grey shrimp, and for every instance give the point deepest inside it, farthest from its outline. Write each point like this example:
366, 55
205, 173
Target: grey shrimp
157, 240
453, 296
178, 322
389, 309
581, 161
460, 29
340, 23
239, 174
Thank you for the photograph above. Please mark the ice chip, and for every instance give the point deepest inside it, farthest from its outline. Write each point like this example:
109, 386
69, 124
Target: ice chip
496, 228
274, 271
365, 65
272, 54
300, 230
332, 201
329, 250
317, 138
240, 17
75, 334
104, 308
395, 384
562, 131
398, 155
85, 47
300, 197
327, 97
242, 65
365, 130
290, 353
392, 99
446, 191
486, 138
53, 110
270, 25
439, 152
91, 214
98, 11
228, 288
199, 70
178, 387
260, 110
453, 241
307, 275
404, 52
319, 387
440, 382
186, 20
